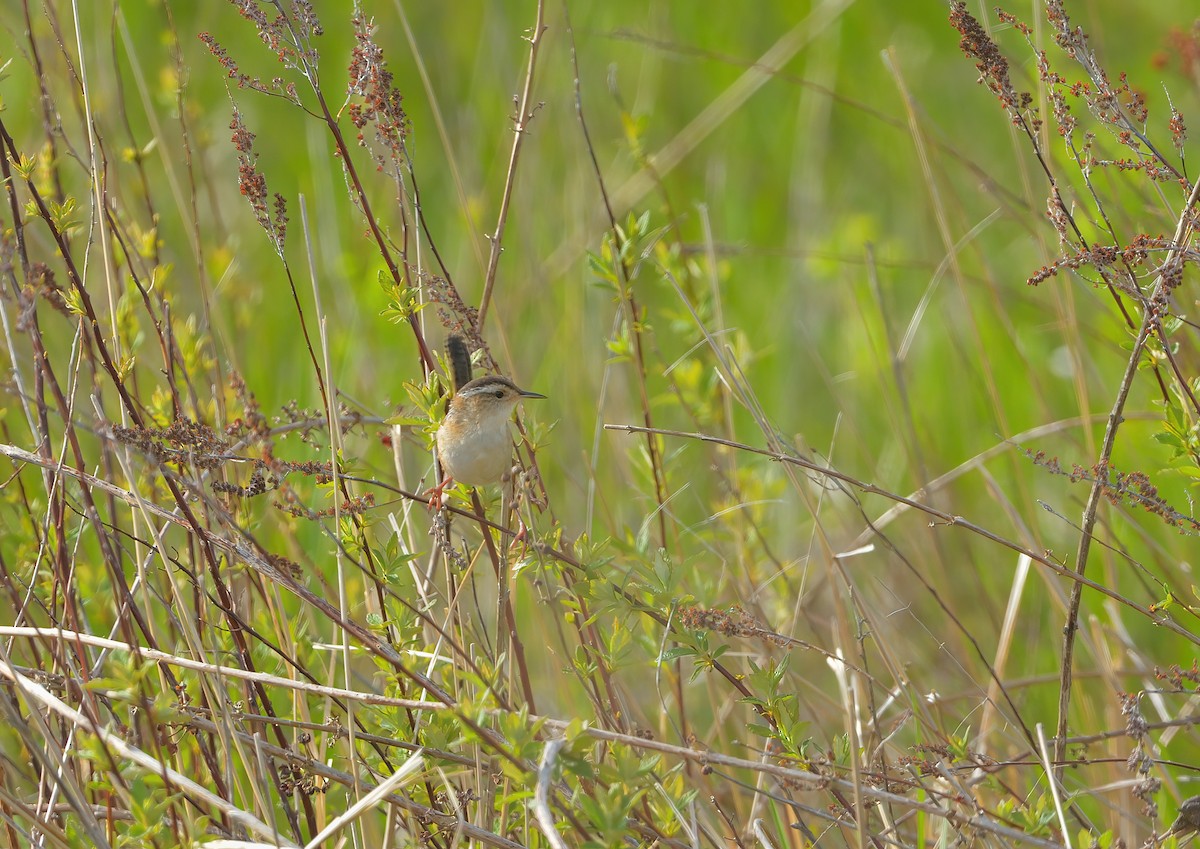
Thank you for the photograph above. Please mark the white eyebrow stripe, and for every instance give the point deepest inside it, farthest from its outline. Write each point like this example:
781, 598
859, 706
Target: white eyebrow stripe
487, 387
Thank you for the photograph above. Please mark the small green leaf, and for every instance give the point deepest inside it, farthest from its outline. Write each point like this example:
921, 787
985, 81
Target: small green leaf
1168, 438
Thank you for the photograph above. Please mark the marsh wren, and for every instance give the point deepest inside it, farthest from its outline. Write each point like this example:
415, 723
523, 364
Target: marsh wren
473, 441
474, 444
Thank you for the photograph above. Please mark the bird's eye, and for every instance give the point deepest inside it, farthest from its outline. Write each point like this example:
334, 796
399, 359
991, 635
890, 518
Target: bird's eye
499, 393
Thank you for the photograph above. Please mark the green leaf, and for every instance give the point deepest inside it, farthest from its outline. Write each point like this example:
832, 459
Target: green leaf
1168, 438
676, 653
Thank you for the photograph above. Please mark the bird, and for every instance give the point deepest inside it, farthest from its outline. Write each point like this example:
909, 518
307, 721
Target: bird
474, 445
473, 441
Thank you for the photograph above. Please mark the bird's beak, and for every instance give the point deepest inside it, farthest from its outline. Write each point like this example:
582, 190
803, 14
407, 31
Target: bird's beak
527, 394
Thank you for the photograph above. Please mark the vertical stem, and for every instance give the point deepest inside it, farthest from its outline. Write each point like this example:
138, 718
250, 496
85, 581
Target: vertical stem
524, 116
1115, 417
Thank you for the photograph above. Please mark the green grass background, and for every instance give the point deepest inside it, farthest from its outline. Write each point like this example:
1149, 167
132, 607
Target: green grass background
836, 240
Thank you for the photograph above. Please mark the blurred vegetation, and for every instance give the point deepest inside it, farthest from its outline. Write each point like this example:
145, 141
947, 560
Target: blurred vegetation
801, 230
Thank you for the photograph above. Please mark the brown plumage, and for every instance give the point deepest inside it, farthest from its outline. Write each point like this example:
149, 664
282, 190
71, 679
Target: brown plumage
474, 443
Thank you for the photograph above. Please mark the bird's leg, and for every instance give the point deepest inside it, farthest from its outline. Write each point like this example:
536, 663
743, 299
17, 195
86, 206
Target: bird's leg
437, 494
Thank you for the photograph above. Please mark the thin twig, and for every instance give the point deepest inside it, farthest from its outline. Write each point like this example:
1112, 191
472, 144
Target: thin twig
525, 112
540, 805
1115, 418
941, 515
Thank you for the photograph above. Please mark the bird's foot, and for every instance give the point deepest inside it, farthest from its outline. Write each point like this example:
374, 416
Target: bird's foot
437, 494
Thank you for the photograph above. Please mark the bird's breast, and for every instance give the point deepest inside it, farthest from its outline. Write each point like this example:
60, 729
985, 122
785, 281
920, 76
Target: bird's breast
476, 459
